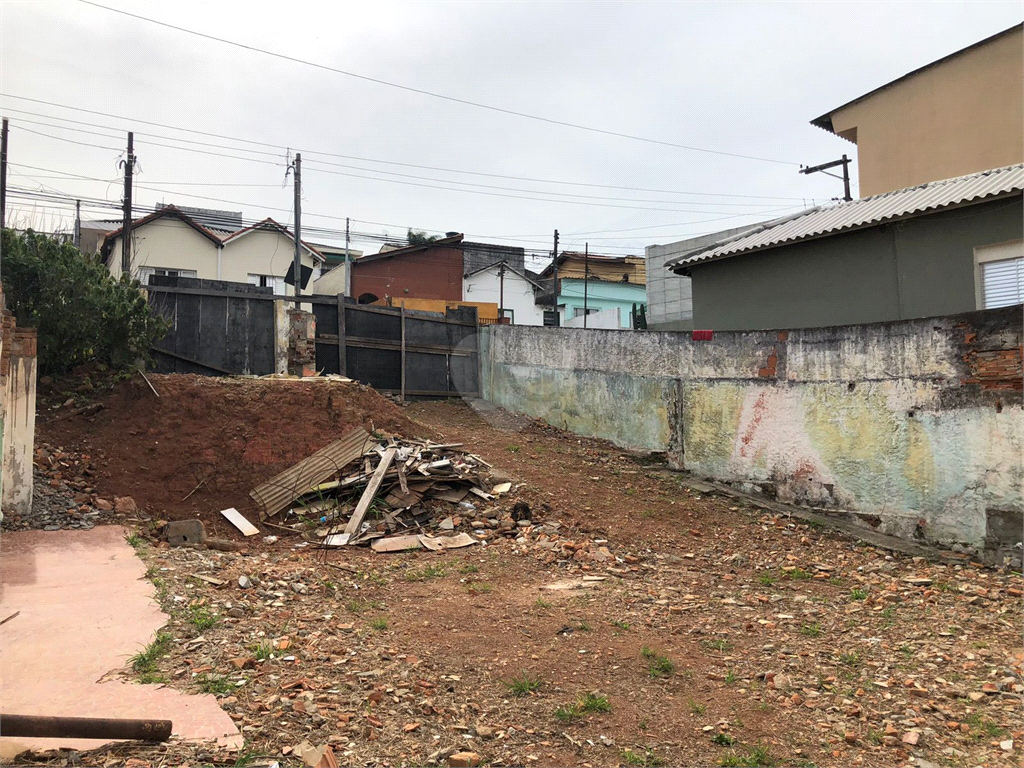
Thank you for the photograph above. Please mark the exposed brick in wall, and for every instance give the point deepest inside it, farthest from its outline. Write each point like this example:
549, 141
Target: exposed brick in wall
994, 361
301, 343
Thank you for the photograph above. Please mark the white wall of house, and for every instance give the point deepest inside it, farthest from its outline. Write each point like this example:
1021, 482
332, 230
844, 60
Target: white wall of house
485, 286
330, 283
267, 253
168, 244
608, 319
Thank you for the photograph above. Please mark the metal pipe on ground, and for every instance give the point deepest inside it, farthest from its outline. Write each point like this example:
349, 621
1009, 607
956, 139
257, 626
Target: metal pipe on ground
41, 726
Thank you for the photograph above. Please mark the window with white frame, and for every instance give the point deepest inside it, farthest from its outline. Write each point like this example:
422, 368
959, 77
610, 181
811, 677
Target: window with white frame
580, 311
145, 272
269, 281
999, 274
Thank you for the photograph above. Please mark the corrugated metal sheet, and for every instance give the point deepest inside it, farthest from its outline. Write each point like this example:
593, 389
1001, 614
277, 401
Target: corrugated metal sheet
280, 491
818, 222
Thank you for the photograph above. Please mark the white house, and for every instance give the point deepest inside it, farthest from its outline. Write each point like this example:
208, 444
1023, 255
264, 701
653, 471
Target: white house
510, 289
263, 254
171, 242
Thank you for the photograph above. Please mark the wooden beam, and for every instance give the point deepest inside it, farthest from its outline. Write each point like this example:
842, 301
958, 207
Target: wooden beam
341, 332
403, 352
192, 360
371, 490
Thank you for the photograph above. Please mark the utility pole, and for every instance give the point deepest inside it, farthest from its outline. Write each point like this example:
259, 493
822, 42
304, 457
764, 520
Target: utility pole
348, 266
3, 175
845, 162
126, 227
501, 292
554, 292
586, 274
78, 223
297, 263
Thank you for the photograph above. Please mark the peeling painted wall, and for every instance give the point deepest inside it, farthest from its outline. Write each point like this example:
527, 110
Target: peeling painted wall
915, 427
18, 409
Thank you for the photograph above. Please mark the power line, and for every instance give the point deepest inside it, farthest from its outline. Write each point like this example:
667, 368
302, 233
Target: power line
404, 175
432, 94
307, 151
393, 181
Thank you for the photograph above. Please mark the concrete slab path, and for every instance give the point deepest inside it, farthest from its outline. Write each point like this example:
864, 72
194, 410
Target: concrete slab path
85, 608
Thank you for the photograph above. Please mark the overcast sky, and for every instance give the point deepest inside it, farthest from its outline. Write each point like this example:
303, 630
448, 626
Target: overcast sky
735, 77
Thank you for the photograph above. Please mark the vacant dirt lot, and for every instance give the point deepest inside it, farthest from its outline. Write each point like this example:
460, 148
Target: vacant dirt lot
716, 634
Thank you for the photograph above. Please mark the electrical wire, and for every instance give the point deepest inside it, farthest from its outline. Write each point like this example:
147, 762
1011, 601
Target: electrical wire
310, 152
585, 198
432, 94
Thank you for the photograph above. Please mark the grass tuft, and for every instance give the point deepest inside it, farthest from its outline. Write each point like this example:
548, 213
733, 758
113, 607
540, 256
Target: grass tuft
216, 684
428, 572
592, 702
523, 686
202, 618
144, 662
645, 759
811, 630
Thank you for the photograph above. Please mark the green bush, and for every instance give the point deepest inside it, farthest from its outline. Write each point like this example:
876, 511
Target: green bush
82, 313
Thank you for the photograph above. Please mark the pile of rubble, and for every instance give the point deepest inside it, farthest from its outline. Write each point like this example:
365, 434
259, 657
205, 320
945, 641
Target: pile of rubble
389, 492
63, 496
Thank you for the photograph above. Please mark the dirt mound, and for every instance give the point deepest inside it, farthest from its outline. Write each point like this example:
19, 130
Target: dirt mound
216, 437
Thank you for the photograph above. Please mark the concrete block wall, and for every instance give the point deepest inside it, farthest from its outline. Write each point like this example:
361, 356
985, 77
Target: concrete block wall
17, 413
913, 428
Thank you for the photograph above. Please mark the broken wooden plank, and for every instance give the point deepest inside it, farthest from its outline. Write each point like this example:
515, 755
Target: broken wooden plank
453, 495
402, 500
436, 543
238, 520
371, 490
282, 489
396, 544
423, 468
481, 494
210, 580
402, 480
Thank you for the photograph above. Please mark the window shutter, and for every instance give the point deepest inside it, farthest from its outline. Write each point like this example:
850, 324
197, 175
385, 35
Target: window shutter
1002, 283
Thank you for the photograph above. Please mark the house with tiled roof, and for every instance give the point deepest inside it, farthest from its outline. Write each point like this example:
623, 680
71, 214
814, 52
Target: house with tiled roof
173, 242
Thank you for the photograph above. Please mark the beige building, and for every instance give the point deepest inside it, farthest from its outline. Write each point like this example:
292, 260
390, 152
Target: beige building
170, 242
959, 115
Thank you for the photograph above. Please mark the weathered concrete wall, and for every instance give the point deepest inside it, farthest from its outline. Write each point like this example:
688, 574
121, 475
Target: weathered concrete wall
18, 409
915, 427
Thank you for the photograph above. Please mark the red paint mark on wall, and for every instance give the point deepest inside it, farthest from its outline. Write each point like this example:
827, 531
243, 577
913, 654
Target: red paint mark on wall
757, 416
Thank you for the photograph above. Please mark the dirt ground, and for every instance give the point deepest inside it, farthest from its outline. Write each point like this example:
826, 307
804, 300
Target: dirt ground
717, 633
204, 443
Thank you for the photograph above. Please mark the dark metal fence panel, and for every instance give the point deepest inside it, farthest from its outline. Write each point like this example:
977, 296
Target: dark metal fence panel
440, 354
217, 327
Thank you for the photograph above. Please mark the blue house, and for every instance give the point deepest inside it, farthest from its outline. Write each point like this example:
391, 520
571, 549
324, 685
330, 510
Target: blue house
591, 283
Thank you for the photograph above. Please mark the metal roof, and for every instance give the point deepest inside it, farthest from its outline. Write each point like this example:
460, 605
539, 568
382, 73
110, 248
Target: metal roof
857, 214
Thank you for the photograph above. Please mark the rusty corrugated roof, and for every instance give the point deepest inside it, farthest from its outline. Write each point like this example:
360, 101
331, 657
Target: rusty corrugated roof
280, 491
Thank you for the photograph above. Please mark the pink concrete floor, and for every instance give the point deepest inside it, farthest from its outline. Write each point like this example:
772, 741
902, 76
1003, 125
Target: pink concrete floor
85, 609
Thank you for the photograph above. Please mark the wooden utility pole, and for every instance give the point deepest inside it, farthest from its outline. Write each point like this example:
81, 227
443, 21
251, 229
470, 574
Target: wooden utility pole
126, 226
78, 223
845, 162
297, 263
554, 290
348, 268
586, 274
3, 175
501, 292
